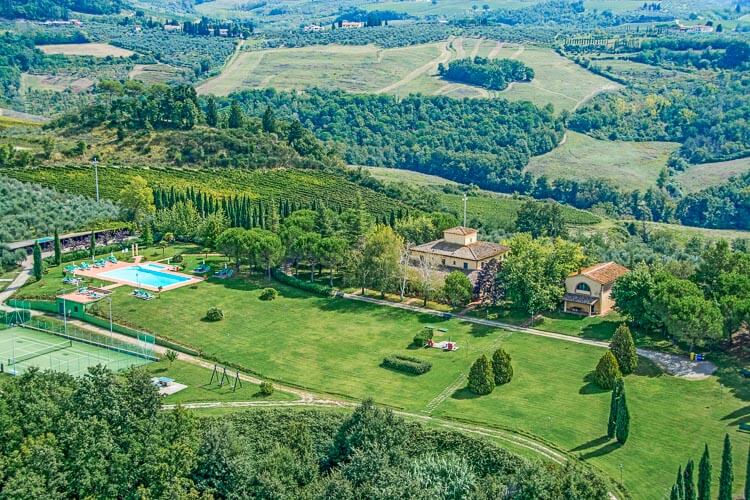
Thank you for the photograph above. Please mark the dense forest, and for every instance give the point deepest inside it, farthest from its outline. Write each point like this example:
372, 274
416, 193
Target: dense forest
17, 54
723, 206
56, 9
709, 118
486, 142
494, 74
104, 436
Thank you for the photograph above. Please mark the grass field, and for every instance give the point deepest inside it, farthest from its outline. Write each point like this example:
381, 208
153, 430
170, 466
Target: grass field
155, 73
557, 80
57, 83
336, 346
628, 165
406, 70
711, 174
85, 49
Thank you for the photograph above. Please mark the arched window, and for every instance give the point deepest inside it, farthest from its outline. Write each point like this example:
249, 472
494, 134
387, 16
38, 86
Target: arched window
583, 287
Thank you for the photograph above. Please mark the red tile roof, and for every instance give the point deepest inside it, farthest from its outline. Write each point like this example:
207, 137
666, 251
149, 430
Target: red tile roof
604, 273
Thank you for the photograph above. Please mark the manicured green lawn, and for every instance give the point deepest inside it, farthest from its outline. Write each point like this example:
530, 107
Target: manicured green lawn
197, 379
336, 346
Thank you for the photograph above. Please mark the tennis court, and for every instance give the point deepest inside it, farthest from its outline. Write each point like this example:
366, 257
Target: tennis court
22, 348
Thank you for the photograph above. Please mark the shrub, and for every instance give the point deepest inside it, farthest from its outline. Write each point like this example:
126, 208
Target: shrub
607, 371
481, 380
407, 364
266, 388
269, 294
623, 348
318, 289
501, 367
178, 258
421, 338
457, 288
214, 314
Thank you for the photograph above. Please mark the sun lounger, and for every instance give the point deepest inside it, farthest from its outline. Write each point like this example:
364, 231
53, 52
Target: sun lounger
85, 266
202, 269
142, 294
112, 259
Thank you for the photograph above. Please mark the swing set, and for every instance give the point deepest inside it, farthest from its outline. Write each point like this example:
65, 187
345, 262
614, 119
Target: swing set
222, 376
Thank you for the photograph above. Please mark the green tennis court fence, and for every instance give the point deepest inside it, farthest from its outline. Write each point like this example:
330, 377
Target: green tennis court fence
40, 352
143, 348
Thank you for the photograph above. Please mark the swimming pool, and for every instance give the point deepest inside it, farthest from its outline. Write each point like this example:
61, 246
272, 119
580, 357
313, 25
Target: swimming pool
145, 275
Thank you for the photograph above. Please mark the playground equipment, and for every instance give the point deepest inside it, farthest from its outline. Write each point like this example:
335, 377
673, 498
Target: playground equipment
223, 376
446, 345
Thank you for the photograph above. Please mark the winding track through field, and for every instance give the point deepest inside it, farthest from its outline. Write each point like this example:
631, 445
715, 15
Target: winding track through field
475, 49
495, 50
444, 57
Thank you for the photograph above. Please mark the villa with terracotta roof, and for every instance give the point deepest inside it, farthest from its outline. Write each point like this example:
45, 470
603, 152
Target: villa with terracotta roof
459, 249
587, 292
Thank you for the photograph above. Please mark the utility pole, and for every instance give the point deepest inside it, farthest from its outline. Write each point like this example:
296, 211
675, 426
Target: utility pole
465, 198
95, 162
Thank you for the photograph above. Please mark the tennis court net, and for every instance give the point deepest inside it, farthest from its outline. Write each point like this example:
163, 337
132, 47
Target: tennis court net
40, 352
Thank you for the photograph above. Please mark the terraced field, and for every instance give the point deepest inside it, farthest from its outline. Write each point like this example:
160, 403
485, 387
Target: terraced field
407, 70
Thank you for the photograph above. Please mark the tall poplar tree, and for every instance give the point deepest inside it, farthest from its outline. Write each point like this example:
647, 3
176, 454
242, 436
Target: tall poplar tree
704, 476
212, 114
622, 428
58, 248
618, 390
688, 481
38, 263
726, 477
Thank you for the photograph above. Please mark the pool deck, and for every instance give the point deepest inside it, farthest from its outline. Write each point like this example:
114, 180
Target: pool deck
96, 272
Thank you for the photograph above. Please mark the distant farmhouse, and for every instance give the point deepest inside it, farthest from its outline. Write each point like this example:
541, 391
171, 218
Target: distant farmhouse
696, 28
459, 249
587, 292
314, 27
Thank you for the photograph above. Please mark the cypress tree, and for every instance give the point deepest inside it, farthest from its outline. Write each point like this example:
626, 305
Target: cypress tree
481, 380
623, 348
269, 122
613, 405
607, 371
92, 244
622, 427
58, 248
147, 238
38, 264
680, 483
704, 476
688, 482
212, 114
273, 217
674, 495
726, 477
502, 369
236, 117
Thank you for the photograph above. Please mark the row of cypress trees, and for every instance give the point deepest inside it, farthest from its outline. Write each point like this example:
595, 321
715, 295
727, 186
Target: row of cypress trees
246, 212
685, 487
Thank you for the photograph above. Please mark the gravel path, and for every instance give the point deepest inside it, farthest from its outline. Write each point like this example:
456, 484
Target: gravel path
675, 365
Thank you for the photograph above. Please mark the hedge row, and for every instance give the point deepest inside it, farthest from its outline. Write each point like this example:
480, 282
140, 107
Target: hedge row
325, 291
408, 364
85, 254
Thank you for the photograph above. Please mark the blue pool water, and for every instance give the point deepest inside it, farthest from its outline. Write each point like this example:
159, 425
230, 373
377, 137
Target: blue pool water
144, 275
